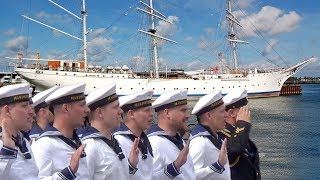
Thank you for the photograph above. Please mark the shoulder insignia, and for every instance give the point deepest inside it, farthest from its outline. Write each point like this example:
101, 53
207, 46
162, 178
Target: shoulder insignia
225, 132
239, 129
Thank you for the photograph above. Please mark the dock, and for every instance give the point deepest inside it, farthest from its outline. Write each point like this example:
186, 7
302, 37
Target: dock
291, 90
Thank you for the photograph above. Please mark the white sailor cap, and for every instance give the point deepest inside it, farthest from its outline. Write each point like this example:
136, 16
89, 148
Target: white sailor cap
39, 99
14, 93
136, 100
236, 99
102, 96
208, 102
170, 99
67, 94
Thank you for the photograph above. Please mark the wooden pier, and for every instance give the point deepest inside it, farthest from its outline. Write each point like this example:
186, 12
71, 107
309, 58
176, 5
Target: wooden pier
290, 90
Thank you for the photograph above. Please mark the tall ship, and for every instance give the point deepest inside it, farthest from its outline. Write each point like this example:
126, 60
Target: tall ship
198, 83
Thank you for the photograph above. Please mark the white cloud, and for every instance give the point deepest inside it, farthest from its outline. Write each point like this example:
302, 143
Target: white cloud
286, 23
166, 29
115, 29
269, 47
269, 20
138, 63
16, 44
245, 3
10, 32
205, 44
188, 39
194, 65
97, 32
55, 54
163, 63
57, 33
202, 44
209, 31
98, 47
53, 18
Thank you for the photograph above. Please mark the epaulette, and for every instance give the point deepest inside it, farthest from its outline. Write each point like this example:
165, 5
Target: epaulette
226, 132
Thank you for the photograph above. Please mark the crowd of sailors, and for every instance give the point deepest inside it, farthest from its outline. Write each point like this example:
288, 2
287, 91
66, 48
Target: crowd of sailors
64, 133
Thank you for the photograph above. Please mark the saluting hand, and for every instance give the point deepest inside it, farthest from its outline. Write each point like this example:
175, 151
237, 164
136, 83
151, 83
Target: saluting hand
244, 114
223, 153
182, 157
75, 158
134, 153
8, 130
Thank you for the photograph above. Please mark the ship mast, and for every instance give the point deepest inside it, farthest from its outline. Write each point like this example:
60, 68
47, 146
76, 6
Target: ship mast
84, 33
232, 36
83, 19
154, 43
152, 32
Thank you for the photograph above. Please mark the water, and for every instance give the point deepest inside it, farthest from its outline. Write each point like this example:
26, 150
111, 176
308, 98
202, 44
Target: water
286, 131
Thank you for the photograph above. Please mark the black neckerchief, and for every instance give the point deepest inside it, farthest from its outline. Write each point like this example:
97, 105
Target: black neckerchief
213, 138
144, 144
21, 144
75, 145
176, 140
113, 144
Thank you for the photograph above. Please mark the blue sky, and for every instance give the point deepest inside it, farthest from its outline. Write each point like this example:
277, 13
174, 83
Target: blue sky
289, 31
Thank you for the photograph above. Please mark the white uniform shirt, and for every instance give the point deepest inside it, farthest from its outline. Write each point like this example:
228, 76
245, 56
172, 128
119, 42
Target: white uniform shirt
165, 153
205, 156
144, 165
13, 165
102, 160
53, 157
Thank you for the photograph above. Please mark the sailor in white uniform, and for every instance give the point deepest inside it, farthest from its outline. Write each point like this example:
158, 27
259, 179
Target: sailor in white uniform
138, 117
16, 158
207, 150
58, 151
43, 114
171, 158
105, 158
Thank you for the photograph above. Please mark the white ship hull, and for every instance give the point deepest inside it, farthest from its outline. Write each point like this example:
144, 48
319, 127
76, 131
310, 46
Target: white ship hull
258, 85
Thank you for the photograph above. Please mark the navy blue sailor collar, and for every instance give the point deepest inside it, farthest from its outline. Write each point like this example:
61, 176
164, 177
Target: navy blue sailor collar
177, 140
144, 144
51, 131
35, 130
199, 130
90, 132
155, 130
202, 130
122, 130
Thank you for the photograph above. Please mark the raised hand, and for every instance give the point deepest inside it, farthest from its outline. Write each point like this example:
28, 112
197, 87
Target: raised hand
8, 130
244, 114
134, 153
223, 153
182, 157
75, 158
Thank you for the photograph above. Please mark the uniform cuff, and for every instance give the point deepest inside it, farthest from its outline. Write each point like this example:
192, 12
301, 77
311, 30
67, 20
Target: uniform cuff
8, 153
171, 171
216, 167
67, 174
132, 169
